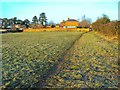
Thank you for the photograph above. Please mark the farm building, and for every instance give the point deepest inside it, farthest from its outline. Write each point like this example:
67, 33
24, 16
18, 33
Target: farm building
70, 23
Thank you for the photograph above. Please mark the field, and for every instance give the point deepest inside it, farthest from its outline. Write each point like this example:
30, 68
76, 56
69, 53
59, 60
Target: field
58, 59
27, 57
92, 62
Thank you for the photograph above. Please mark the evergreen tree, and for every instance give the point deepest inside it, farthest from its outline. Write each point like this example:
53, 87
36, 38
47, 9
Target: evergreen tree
43, 19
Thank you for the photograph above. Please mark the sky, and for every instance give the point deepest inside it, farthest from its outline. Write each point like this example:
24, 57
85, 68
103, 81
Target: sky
58, 10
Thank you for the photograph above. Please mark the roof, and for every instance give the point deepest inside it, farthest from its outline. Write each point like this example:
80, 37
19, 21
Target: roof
72, 20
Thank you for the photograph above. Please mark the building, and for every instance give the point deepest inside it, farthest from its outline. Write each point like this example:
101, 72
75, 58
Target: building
57, 25
70, 23
62, 24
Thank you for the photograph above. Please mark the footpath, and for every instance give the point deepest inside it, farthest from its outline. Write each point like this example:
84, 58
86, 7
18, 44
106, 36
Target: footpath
92, 62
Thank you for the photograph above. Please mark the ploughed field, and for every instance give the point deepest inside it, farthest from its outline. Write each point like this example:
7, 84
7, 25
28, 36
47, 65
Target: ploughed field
58, 59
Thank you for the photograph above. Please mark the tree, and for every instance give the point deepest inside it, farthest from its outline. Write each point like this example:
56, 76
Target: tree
43, 19
86, 22
26, 22
35, 20
19, 21
89, 21
15, 20
83, 17
105, 19
11, 22
102, 24
4, 23
1, 22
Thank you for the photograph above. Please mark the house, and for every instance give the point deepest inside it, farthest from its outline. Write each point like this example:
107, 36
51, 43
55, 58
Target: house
62, 24
57, 25
70, 23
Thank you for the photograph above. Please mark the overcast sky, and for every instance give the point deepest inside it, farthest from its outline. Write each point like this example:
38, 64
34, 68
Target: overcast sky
58, 10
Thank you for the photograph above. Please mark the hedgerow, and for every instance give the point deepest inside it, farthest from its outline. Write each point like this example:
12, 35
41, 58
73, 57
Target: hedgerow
106, 27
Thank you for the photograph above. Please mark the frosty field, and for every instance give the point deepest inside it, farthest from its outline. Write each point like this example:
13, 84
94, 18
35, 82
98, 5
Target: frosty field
58, 59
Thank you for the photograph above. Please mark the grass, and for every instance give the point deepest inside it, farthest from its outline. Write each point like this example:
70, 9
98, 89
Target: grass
92, 62
27, 57
88, 61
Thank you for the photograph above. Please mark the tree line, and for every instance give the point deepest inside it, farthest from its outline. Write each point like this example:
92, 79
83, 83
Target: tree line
37, 22
102, 25
42, 20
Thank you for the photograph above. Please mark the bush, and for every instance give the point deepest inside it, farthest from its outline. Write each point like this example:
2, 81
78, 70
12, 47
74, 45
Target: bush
104, 26
34, 26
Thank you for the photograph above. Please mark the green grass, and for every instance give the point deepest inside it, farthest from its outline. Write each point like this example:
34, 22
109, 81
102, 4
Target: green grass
92, 62
27, 57
88, 61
